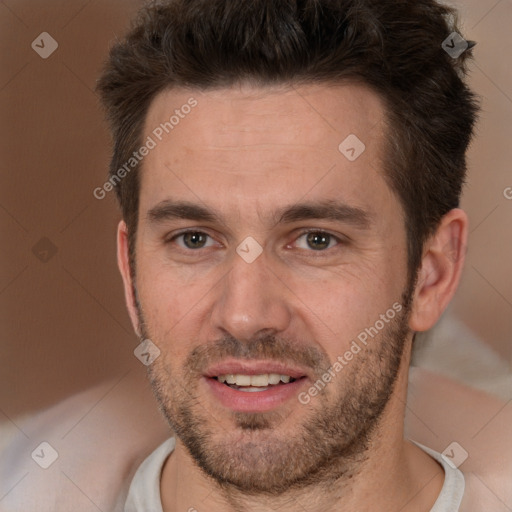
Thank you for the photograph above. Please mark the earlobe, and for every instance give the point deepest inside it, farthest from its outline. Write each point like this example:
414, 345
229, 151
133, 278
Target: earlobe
441, 268
123, 262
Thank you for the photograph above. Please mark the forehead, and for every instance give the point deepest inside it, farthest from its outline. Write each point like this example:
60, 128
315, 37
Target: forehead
258, 114
264, 144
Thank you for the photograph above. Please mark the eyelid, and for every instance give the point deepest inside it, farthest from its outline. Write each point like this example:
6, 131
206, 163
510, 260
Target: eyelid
339, 239
176, 234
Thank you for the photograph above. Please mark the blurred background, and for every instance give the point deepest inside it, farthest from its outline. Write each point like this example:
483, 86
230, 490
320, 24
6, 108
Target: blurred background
64, 324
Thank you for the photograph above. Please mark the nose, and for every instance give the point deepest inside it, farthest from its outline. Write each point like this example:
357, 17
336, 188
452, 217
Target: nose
251, 300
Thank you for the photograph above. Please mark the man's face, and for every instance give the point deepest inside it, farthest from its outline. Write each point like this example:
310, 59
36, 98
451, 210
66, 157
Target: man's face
266, 164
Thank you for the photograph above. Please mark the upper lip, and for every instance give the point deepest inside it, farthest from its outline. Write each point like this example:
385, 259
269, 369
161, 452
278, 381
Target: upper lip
246, 367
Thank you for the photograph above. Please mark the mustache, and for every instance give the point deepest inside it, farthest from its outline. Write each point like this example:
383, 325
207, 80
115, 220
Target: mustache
265, 346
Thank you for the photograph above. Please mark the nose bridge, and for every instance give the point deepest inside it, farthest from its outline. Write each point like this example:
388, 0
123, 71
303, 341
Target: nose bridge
250, 298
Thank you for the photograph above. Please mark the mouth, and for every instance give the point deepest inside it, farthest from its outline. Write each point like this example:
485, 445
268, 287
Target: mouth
254, 386
254, 383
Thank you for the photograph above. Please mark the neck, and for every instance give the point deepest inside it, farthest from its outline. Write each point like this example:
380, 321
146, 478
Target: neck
391, 475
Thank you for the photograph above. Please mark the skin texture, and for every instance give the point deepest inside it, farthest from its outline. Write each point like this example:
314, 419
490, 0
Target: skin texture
246, 154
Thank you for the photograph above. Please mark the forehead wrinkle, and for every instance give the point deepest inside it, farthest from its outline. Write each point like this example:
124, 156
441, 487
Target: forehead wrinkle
261, 145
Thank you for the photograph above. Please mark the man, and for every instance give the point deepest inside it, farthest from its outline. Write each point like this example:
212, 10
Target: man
289, 175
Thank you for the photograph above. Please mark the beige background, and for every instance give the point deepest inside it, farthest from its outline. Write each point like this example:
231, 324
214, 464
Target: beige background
64, 325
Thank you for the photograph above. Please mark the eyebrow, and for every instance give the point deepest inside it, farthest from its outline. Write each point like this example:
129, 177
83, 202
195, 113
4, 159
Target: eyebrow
328, 210
168, 210
323, 210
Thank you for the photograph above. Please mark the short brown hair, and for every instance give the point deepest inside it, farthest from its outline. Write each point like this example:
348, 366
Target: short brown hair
393, 46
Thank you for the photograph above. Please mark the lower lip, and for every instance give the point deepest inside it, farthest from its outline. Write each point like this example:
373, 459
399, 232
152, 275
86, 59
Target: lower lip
257, 401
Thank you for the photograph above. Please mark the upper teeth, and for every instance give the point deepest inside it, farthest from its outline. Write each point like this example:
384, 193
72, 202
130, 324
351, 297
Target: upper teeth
254, 380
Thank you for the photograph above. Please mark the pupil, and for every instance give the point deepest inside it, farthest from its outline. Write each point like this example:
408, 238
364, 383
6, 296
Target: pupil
318, 241
194, 240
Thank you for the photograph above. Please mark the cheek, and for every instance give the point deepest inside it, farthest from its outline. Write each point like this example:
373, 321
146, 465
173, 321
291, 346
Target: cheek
337, 312
170, 304
338, 308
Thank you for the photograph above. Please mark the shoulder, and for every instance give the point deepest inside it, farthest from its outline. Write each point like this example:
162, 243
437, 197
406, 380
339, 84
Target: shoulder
471, 427
99, 436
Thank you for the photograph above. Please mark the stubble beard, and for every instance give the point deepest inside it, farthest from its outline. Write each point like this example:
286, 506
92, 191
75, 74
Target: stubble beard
257, 455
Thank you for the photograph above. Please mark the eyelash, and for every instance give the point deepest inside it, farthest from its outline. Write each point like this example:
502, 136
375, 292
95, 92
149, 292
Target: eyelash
338, 240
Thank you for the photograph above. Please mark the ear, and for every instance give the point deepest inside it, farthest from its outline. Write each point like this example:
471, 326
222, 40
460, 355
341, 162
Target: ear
441, 267
124, 268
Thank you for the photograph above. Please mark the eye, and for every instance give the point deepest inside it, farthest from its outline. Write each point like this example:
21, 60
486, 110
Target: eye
192, 240
316, 240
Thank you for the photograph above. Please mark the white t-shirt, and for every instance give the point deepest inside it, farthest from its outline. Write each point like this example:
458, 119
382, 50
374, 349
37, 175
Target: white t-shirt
144, 493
